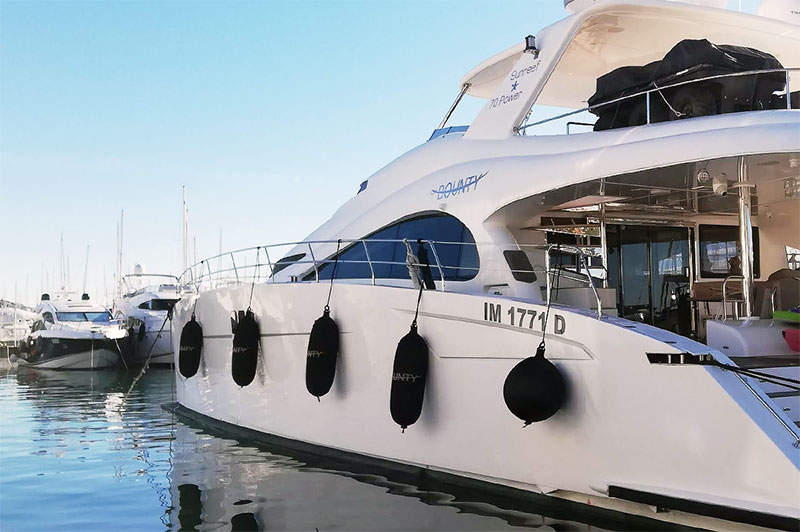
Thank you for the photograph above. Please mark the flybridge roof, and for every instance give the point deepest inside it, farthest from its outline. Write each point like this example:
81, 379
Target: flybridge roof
612, 34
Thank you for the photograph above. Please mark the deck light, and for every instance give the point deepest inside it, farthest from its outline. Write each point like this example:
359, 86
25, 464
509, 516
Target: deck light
530, 45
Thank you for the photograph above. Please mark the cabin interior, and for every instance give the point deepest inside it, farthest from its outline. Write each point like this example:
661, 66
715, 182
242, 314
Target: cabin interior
665, 244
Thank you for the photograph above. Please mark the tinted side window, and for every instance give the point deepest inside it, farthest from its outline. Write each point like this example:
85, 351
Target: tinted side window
719, 251
455, 249
48, 317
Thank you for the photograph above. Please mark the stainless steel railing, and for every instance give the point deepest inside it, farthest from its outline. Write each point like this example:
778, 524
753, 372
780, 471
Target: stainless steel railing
225, 270
648, 92
725, 297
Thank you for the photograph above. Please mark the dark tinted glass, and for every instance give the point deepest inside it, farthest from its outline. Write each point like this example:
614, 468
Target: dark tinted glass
454, 248
162, 304
719, 251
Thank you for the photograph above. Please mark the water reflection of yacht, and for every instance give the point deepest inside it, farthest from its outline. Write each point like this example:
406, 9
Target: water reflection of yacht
143, 307
72, 333
216, 482
680, 203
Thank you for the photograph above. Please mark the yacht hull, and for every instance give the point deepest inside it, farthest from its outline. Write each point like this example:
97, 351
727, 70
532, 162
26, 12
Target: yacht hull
682, 433
152, 347
93, 359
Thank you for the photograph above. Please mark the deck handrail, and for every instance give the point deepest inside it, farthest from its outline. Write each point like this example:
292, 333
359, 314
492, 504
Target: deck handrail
725, 297
647, 92
201, 273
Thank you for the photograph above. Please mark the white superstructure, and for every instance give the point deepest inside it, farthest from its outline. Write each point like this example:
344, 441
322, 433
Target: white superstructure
682, 215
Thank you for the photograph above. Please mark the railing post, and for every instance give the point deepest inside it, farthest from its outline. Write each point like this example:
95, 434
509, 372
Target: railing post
788, 92
235, 271
438, 264
591, 283
269, 263
647, 105
210, 276
314, 260
369, 261
547, 271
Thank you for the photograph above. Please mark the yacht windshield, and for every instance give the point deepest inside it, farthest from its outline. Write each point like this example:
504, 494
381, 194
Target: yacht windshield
98, 317
94, 317
162, 304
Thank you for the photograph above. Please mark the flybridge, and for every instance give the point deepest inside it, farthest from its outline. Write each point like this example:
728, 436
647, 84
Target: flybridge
561, 66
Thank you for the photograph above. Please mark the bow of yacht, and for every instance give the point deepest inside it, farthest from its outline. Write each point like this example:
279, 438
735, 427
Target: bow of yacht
143, 305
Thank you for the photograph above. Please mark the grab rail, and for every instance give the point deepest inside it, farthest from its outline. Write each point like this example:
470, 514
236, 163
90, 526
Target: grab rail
201, 274
725, 297
579, 253
647, 92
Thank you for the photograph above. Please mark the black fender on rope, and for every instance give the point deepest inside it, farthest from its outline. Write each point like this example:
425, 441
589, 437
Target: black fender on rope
191, 348
142, 331
323, 350
409, 373
246, 341
535, 389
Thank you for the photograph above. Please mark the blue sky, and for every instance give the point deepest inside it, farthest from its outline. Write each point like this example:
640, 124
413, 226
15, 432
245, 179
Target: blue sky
271, 114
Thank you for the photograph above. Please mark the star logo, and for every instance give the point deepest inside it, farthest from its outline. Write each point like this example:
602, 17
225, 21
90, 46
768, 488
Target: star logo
514, 86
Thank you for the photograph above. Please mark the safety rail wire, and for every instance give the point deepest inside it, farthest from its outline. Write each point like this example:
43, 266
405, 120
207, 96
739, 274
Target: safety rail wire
201, 275
646, 93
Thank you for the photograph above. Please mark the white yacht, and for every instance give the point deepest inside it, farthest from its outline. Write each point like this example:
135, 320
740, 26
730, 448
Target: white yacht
143, 307
604, 317
15, 325
73, 333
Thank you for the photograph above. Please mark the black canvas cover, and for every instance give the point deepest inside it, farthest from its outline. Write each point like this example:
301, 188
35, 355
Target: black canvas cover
687, 60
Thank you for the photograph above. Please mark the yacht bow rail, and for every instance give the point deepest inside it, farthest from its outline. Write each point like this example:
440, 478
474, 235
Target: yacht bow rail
648, 92
232, 268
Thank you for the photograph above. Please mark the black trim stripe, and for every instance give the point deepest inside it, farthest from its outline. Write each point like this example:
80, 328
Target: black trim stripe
718, 511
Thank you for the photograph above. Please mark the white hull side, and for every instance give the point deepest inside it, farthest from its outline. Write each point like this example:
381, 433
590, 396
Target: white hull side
670, 430
161, 351
98, 359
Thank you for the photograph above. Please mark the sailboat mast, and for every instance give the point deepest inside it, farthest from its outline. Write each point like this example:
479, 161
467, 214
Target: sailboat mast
185, 232
61, 269
85, 269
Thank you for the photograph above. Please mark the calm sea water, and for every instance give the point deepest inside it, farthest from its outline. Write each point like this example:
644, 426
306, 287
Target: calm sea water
77, 453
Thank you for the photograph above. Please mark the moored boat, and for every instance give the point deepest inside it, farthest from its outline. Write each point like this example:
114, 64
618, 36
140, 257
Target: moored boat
73, 333
143, 307
597, 316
